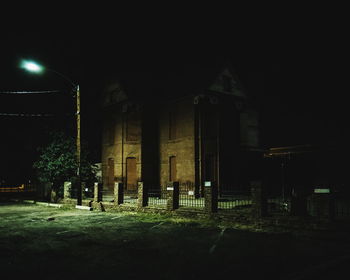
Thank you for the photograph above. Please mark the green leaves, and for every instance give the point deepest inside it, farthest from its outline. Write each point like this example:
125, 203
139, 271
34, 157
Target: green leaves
58, 161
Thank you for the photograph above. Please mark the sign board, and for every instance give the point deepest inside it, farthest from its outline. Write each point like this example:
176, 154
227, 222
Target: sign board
321, 191
170, 188
190, 192
207, 184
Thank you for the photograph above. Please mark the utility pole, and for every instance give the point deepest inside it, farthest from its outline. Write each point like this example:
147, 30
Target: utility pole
79, 194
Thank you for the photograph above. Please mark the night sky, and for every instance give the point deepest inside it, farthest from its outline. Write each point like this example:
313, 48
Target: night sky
290, 69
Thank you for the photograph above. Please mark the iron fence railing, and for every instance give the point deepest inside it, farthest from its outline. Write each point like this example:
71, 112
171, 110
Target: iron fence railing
157, 197
228, 198
107, 195
188, 196
233, 199
342, 208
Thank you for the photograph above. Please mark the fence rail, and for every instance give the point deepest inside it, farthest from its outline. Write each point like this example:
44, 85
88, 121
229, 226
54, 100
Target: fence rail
157, 197
188, 197
342, 208
20, 188
232, 199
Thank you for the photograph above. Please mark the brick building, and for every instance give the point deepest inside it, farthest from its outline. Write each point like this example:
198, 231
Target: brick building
191, 124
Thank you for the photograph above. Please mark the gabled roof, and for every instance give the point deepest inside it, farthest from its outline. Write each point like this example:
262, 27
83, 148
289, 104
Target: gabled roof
169, 80
194, 77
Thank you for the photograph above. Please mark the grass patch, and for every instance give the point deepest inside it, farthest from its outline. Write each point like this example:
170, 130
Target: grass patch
67, 242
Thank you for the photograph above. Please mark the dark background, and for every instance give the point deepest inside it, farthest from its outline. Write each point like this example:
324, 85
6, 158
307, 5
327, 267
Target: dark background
290, 63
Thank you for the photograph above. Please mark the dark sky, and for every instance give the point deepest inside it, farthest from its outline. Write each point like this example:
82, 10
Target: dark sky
289, 67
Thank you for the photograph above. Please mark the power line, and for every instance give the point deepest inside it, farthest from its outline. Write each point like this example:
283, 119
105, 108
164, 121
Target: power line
30, 92
25, 115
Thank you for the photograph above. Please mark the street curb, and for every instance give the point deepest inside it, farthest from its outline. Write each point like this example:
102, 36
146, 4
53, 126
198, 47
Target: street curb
49, 204
82, 207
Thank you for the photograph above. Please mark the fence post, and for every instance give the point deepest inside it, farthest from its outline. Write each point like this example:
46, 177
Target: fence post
210, 197
118, 193
67, 186
142, 195
259, 200
172, 195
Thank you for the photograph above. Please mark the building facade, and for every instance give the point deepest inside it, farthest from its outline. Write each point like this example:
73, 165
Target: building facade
190, 132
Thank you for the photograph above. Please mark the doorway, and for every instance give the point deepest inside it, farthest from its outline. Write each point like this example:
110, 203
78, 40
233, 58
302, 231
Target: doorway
131, 175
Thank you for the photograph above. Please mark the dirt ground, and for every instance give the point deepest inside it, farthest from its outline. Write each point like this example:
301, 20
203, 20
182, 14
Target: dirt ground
57, 243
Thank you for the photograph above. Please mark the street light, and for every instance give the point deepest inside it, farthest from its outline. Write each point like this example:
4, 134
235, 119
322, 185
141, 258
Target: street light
34, 67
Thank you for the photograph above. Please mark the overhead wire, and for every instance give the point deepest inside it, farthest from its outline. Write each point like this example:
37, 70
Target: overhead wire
29, 92
25, 115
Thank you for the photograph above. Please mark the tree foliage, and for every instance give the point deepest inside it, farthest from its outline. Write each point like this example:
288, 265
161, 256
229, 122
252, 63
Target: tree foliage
57, 161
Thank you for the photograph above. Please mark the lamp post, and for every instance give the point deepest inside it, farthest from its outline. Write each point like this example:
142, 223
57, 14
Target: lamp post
36, 68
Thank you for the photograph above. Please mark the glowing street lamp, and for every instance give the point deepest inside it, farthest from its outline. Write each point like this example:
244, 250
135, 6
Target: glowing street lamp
31, 66
34, 67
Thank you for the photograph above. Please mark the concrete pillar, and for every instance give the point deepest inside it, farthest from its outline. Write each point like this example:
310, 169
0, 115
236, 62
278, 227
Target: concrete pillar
118, 193
259, 200
97, 192
67, 186
173, 195
210, 197
142, 197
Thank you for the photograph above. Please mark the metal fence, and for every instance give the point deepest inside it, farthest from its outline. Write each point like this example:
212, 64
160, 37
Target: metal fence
339, 206
130, 198
233, 197
229, 199
188, 197
107, 195
342, 208
157, 197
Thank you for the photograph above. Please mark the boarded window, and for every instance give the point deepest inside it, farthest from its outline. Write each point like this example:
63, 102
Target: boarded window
172, 169
172, 125
131, 175
133, 128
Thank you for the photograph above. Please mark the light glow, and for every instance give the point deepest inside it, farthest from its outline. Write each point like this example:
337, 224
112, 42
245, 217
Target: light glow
31, 66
